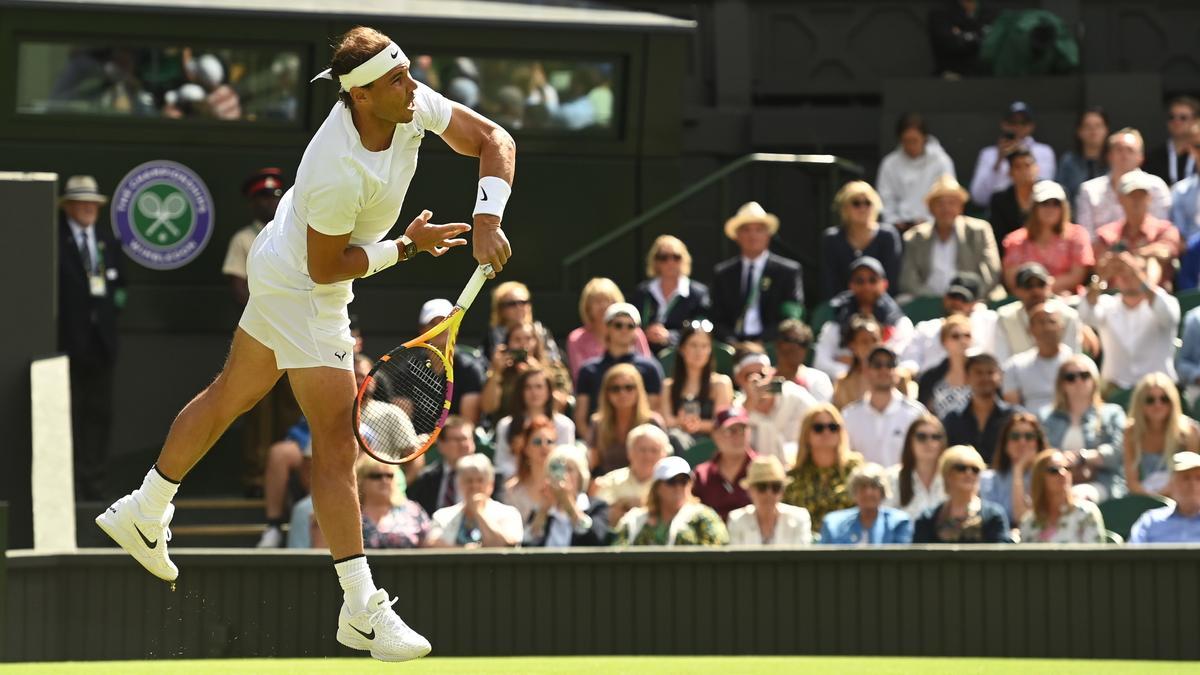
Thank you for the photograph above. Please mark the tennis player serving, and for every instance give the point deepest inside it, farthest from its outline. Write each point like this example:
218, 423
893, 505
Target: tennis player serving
328, 230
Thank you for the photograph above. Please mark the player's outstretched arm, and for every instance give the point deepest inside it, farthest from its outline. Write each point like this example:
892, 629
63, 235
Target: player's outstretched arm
331, 258
474, 135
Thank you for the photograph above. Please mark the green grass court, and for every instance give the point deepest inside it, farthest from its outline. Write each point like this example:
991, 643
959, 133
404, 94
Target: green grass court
619, 665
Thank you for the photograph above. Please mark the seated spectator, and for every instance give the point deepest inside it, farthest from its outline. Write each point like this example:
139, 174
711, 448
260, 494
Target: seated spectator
792, 346
624, 406
669, 298
868, 522
695, 391
756, 290
563, 514
1086, 160
627, 488
938, 250
522, 351
926, 351
774, 405
1155, 431
978, 422
477, 520
1086, 430
864, 335
1097, 202
621, 328
823, 466
1012, 320
915, 483
1187, 361
964, 518
468, 374
767, 521
588, 341
944, 388
389, 519
1007, 483
1010, 207
1178, 523
512, 304
906, 173
1058, 516
285, 458
1172, 161
859, 234
717, 480
1029, 376
991, 169
956, 32
1138, 232
437, 486
1051, 239
533, 394
672, 516
878, 422
1185, 195
867, 296
531, 447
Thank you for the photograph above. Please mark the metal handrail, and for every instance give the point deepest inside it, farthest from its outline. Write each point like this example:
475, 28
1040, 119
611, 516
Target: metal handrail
695, 188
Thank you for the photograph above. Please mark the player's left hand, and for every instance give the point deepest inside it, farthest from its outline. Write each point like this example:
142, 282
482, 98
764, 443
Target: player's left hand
490, 244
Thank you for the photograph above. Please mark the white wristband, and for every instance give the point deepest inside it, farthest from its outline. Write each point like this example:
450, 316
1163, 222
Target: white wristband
492, 197
380, 256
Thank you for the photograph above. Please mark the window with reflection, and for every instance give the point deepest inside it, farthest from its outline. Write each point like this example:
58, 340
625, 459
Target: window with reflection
247, 84
533, 95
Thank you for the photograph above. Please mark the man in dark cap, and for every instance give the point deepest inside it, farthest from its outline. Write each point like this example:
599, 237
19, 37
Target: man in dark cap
962, 296
866, 296
991, 169
1013, 336
262, 189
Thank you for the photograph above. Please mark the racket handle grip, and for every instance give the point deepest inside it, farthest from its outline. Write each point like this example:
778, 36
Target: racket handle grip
473, 286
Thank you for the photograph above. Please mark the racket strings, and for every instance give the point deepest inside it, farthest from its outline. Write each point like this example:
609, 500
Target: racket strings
402, 414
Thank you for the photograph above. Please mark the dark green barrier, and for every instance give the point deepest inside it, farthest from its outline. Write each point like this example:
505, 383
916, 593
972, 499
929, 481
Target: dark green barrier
1087, 602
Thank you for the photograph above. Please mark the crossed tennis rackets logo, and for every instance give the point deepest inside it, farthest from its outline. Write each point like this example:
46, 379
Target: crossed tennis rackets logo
163, 211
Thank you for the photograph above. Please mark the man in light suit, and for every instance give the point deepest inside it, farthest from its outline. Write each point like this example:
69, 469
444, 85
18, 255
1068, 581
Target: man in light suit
870, 522
937, 251
755, 291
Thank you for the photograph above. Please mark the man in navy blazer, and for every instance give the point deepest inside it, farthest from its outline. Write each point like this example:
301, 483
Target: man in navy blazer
753, 292
870, 522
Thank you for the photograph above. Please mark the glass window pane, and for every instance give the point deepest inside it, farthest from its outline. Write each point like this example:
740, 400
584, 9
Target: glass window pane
181, 82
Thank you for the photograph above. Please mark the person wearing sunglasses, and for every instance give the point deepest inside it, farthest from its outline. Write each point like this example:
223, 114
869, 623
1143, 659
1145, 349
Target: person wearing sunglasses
588, 341
389, 518
993, 167
477, 520
1155, 430
905, 173
1008, 480
1171, 161
522, 351
669, 298
1098, 203
859, 234
915, 484
792, 347
868, 522
718, 479
512, 304
878, 422
945, 388
621, 331
866, 296
1088, 431
1048, 236
948, 244
1030, 375
1058, 516
823, 465
978, 422
672, 515
624, 405
1033, 289
564, 514
755, 290
767, 521
531, 447
1155, 240
965, 517
1185, 200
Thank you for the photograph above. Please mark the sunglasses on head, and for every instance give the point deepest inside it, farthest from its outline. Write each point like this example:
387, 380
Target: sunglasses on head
619, 388
1056, 469
1161, 398
664, 257
381, 475
700, 325
1082, 375
678, 481
509, 304
859, 203
775, 488
822, 427
963, 468
1022, 436
925, 436
623, 325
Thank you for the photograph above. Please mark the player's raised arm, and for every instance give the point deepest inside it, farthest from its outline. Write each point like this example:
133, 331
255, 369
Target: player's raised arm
331, 258
474, 135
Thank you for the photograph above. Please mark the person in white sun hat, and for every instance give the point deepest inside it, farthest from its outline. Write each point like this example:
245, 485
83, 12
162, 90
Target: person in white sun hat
330, 229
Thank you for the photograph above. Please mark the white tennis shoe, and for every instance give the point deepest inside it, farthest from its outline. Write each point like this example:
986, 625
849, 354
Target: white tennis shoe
143, 538
381, 631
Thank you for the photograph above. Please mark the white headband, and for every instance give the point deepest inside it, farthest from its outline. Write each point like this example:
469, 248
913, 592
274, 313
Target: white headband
753, 359
370, 70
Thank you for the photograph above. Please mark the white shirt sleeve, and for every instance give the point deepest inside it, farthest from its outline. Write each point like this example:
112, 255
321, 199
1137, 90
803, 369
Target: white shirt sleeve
433, 110
983, 183
1044, 154
827, 350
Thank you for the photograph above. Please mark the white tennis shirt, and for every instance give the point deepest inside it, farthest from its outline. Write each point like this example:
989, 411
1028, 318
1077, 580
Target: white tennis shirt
341, 187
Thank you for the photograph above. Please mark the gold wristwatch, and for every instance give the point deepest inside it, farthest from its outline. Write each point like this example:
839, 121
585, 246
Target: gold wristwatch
408, 248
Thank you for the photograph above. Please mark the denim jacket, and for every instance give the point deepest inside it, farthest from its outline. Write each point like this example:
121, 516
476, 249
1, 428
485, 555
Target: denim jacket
1103, 431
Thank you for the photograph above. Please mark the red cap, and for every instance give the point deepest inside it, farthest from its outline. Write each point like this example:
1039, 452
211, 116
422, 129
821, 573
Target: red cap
264, 180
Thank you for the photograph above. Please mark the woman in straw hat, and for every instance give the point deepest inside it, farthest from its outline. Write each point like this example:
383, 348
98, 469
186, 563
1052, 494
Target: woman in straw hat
949, 244
767, 520
857, 206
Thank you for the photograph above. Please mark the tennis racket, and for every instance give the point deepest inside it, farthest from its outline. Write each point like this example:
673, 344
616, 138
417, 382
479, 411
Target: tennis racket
405, 399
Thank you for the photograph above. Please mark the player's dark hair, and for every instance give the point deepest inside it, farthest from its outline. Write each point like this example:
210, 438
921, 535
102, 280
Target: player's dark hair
352, 50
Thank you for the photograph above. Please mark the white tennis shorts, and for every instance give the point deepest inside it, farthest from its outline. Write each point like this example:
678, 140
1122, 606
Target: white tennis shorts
305, 327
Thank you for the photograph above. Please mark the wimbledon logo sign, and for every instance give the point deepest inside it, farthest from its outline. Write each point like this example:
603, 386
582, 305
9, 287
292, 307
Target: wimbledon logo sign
163, 214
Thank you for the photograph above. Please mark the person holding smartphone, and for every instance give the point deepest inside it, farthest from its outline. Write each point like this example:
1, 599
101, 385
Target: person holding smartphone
991, 169
564, 515
774, 407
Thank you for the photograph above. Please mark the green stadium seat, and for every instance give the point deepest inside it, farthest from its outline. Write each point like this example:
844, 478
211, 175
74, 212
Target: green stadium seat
702, 451
923, 308
1120, 396
822, 314
1120, 514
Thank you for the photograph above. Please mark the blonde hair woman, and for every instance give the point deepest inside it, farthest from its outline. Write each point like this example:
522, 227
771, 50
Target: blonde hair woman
823, 466
389, 518
623, 406
1155, 430
963, 518
669, 298
1089, 431
512, 304
587, 342
857, 207
1058, 516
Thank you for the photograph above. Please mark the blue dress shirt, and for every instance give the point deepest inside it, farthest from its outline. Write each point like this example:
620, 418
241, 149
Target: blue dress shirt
892, 526
1165, 526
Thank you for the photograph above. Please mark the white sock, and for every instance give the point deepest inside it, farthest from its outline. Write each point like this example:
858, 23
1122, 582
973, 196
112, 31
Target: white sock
355, 577
155, 493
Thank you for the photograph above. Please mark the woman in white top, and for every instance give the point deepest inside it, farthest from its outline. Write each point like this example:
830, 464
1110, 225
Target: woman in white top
916, 484
533, 394
768, 521
330, 229
478, 520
